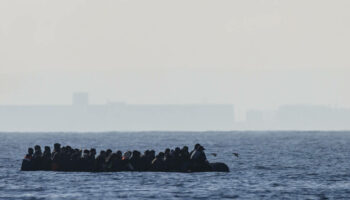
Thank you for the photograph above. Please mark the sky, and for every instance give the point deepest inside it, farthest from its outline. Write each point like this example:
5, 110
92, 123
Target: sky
256, 54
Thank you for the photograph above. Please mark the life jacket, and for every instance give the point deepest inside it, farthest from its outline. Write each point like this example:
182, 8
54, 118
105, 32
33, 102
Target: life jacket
28, 157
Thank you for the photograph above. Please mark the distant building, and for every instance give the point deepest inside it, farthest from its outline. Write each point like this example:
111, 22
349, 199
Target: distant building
82, 116
298, 117
313, 117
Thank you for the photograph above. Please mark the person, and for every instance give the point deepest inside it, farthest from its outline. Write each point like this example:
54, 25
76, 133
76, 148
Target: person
46, 158
75, 160
100, 162
168, 159
177, 160
158, 163
125, 163
37, 151
56, 157
152, 154
184, 159
92, 153
109, 162
65, 159
167, 152
91, 159
116, 161
37, 158
146, 160
84, 161
185, 155
199, 155
199, 160
108, 152
195, 148
149, 158
27, 161
135, 161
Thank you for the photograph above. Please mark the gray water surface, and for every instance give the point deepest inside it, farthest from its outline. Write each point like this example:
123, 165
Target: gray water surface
271, 165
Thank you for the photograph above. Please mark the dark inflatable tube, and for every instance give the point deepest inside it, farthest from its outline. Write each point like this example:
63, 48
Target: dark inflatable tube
219, 167
28, 165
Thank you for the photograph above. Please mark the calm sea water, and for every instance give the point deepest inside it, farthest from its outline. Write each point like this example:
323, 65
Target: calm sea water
271, 165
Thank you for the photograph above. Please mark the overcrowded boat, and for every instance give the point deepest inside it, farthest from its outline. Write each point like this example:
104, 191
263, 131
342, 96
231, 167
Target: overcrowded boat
70, 159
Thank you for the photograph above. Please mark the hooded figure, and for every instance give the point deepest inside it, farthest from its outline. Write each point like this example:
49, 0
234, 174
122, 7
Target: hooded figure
100, 162
37, 158
84, 161
92, 159
75, 160
199, 160
158, 163
56, 157
46, 159
115, 163
184, 159
144, 161
135, 161
195, 148
184, 154
149, 158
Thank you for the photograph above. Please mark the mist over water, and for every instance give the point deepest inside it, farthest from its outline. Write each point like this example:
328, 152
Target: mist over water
271, 165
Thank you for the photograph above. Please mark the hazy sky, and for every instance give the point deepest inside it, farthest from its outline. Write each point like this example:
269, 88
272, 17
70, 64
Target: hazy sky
254, 54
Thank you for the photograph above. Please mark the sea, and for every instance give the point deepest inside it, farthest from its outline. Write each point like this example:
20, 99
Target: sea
270, 165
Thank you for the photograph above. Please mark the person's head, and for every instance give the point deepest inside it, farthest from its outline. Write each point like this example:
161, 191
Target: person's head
185, 148
177, 150
102, 153
108, 152
160, 155
69, 149
86, 153
57, 147
92, 152
136, 154
146, 153
30, 151
37, 148
113, 156
152, 153
196, 146
119, 154
76, 151
201, 148
167, 152
127, 155
47, 149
